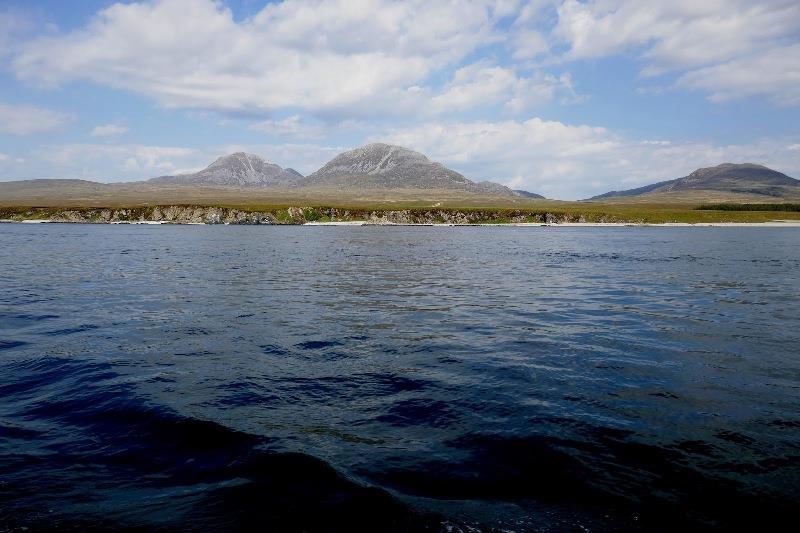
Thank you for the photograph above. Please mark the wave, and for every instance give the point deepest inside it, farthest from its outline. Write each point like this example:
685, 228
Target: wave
605, 472
117, 463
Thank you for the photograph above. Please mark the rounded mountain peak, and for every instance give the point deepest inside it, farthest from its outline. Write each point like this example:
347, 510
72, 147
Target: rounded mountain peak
239, 169
375, 158
387, 166
385, 147
239, 158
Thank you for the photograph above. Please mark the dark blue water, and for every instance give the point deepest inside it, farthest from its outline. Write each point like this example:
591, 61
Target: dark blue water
395, 378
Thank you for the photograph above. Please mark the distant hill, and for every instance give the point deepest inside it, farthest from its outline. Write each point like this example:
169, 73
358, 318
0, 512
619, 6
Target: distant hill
526, 194
491, 187
386, 166
735, 179
236, 170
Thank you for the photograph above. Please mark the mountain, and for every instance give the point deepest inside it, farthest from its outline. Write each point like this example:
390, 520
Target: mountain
386, 166
236, 170
381, 171
737, 179
374, 167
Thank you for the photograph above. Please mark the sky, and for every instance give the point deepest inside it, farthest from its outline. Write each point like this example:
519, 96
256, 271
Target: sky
564, 98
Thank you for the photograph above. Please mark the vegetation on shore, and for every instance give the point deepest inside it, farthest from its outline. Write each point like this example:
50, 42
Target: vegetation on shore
544, 212
750, 207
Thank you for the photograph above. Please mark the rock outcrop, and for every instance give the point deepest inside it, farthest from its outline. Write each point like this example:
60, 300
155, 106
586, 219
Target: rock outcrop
175, 214
159, 214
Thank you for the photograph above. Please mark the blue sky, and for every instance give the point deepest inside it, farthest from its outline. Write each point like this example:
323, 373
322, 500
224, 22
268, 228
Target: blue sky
564, 98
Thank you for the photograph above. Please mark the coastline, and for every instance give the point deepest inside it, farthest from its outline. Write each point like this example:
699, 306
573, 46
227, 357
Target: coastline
364, 223
545, 216
772, 224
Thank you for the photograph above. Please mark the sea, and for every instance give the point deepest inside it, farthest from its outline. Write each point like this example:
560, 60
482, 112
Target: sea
394, 378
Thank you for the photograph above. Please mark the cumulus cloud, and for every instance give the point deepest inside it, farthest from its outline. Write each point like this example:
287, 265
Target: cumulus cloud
371, 58
114, 162
560, 160
14, 24
108, 130
730, 48
674, 34
574, 161
292, 127
319, 55
27, 120
775, 75
129, 162
528, 43
484, 84
310, 73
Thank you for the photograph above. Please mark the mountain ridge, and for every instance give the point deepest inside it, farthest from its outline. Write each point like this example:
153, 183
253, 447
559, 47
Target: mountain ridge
372, 166
735, 178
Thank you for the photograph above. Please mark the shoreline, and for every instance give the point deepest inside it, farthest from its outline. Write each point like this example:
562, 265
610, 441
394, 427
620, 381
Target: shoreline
365, 223
587, 216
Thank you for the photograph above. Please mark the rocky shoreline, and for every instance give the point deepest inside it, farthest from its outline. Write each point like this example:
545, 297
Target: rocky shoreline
176, 214
197, 214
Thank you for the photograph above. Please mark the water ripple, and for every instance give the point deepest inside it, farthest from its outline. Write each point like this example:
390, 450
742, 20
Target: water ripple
507, 378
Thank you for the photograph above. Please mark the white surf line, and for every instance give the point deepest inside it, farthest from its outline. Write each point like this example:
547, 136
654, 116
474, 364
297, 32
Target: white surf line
143, 222
771, 224
340, 223
791, 224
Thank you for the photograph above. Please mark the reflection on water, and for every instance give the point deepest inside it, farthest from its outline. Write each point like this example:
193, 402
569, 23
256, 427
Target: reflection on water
395, 378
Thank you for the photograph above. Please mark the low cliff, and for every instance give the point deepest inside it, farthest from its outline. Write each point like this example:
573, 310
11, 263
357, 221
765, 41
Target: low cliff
175, 214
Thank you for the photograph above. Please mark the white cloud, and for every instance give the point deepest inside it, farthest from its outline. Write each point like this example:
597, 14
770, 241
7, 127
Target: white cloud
118, 162
27, 120
675, 34
484, 84
553, 158
320, 55
369, 58
4, 157
570, 162
14, 23
333, 69
129, 162
108, 130
529, 43
293, 126
731, 48
775, 75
